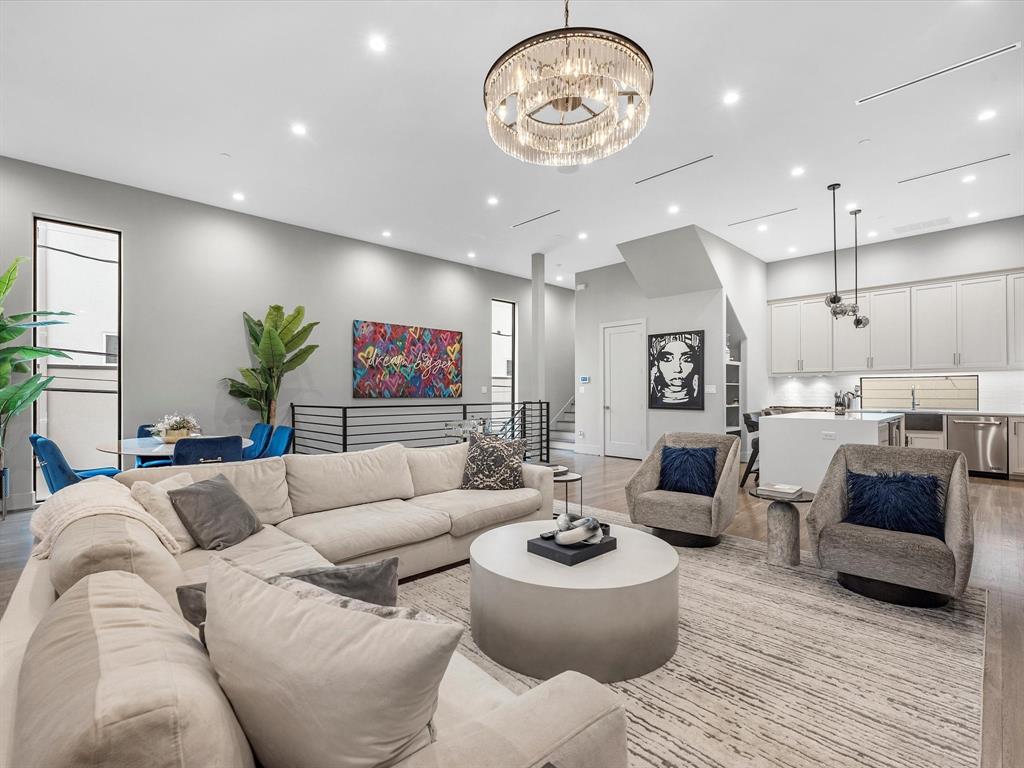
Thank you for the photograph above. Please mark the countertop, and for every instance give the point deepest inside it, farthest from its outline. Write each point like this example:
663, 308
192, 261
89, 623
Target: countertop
944, 412
877, 416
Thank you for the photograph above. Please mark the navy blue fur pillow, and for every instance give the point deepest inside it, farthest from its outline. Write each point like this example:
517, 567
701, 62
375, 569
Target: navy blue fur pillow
688, 470
900, 502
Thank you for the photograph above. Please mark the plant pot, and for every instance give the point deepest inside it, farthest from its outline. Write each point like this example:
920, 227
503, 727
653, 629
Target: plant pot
174, 435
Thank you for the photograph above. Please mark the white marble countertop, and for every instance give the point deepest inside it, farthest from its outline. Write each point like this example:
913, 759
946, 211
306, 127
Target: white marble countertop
944, 412
829, 416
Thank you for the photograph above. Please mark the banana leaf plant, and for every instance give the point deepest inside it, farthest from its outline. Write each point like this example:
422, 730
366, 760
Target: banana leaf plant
276, 347
16, 358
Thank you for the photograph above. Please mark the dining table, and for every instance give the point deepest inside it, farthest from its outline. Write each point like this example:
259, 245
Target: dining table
149, 447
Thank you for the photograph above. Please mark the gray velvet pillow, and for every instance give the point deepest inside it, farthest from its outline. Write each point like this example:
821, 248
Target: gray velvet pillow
370, 582
213, 513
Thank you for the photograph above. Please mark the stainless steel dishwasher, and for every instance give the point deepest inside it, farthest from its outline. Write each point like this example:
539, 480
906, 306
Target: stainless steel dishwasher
982, 439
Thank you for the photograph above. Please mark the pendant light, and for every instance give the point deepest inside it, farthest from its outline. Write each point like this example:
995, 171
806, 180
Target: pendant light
834, 301
859, 320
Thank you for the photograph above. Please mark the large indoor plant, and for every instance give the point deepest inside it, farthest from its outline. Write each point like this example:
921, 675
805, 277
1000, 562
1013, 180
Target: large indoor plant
276, 346
15, 358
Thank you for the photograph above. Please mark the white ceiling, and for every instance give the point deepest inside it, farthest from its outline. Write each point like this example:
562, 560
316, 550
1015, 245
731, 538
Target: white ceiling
152, 93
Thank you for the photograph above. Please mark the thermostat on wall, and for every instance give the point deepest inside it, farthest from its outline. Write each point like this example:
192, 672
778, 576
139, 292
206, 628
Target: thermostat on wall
584, 379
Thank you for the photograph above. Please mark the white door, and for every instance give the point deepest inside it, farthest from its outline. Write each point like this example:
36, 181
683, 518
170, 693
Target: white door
934, 326
1016, 446
890, 330
625, 391
1015, 305
815, 336
851, 348
981, 322
785, 319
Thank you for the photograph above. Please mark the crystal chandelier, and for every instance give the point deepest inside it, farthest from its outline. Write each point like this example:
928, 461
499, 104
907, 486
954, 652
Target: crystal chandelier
569, 96
834, 301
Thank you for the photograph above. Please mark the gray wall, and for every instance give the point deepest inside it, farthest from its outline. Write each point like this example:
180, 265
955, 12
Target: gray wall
189, 270
989, 247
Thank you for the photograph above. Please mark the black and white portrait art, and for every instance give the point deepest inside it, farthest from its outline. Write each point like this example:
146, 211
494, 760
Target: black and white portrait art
675, 364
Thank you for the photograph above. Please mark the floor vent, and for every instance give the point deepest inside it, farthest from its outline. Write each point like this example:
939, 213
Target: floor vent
677, 168
920, 226
763, 216
954, 168
945, 71
536, 218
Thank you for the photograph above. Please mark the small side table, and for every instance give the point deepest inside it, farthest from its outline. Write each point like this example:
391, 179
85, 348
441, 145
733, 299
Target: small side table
570, 477
784, 528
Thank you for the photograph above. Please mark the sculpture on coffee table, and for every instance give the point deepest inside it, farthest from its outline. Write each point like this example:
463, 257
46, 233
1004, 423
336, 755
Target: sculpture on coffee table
577, 530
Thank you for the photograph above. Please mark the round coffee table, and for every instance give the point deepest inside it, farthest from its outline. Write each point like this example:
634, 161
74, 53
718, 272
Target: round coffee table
784, 528
613, 617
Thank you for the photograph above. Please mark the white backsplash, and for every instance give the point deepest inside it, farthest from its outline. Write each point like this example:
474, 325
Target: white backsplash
1000, 391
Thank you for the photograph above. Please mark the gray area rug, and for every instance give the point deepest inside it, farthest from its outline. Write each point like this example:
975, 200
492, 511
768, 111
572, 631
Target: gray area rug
782, 667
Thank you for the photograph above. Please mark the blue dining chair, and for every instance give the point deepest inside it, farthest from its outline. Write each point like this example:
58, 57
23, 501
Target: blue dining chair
280, 442
260, 437
207, 450
144, 431
56, 470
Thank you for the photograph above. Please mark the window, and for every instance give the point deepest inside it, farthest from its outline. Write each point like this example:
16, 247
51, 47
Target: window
503, 351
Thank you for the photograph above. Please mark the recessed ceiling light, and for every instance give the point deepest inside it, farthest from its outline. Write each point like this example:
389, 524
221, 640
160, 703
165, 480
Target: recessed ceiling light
797, 171
492, 200
673, 209
299, 129
850, 206
986, 114
792, 249
582, 235
238, 197
973, 215
968, 178
471, 255
762, 227
386, 233
377, 43
872, 233
559, 278
730, 97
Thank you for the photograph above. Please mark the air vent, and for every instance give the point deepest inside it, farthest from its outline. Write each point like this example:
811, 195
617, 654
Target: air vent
947, 70
765, 216
954, 168
677, 168
920, 226
536, 218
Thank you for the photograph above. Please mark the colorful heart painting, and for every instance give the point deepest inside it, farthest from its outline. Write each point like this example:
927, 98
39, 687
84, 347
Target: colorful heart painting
391, 360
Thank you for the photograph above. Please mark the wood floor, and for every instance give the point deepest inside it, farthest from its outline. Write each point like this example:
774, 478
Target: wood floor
998, 508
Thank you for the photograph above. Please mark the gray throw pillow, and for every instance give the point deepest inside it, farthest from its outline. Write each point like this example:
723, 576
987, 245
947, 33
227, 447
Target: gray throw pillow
370, 582
493, 463
213, 513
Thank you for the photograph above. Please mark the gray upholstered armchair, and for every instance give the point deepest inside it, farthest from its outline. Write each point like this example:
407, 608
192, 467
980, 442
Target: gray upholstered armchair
686, 519
903, 568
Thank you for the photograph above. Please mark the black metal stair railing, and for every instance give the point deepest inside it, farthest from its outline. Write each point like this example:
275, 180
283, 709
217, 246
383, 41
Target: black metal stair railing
342, 428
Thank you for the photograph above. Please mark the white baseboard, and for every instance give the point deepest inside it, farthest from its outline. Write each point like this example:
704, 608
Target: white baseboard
592, 449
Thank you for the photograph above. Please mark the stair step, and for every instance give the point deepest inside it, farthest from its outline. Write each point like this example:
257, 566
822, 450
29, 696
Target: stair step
562, 437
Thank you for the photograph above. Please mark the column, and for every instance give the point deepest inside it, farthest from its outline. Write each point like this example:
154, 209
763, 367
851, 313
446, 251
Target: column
537, 317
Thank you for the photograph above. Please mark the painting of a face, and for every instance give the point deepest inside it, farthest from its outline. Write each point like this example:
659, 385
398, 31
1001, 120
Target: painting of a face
676, 370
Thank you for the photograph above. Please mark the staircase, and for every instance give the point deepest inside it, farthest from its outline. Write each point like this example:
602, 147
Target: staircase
563, 428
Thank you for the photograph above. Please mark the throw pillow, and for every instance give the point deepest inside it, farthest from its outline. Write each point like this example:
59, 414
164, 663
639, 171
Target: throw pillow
896, 502
375, 583
153, 496
316, 679
214, 514
493, 463
688, 470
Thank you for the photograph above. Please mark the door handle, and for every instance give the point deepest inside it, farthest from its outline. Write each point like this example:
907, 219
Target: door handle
979, 423
607, 407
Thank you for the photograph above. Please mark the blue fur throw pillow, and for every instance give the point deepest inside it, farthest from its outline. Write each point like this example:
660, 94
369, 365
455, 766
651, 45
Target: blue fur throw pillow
900, 502
688, 470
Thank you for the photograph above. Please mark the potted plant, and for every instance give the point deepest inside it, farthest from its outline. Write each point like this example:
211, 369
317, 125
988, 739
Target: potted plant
172, 427
15, 358
276, 347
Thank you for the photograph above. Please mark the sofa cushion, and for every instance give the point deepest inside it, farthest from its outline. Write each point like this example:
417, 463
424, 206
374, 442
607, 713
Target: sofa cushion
360, 688
330, 480
112, 676
261, 482
269, 548
466, 693
493, 463
472, 510
676, 511
112, 543
341, 534
153, 496
214, 514
688, 470
438, 468
910, 559
896, 502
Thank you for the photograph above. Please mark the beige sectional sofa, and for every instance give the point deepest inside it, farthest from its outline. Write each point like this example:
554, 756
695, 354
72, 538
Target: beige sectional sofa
347, 508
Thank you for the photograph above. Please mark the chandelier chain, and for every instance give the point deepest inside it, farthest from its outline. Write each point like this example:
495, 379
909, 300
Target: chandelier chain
567, 13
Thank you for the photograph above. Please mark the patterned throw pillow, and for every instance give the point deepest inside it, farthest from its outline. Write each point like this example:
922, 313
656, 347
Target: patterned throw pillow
493, 464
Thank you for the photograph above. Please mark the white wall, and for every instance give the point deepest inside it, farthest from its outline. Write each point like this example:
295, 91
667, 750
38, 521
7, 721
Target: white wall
989, 247
189, 270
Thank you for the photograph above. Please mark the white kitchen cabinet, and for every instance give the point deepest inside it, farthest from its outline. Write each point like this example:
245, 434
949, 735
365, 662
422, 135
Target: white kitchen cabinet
851, 346
981, 322
1016, 445
1015, 312
785, 319
889, 329
926, 440
934, 326
815, 337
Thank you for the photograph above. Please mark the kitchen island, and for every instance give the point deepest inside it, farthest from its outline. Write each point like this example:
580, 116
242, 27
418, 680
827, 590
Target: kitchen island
796, 448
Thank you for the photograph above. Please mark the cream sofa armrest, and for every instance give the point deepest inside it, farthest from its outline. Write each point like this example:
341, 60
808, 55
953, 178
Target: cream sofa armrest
543, 479
570, 721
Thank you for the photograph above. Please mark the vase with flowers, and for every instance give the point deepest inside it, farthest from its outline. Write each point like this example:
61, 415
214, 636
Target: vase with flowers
172, 427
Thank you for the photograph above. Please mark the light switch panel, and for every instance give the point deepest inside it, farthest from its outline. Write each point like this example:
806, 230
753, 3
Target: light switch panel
828, 435
582, 390
711, 389
483, 389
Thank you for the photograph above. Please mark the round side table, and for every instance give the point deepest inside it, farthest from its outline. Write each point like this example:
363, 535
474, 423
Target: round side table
566, 479
784, 528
